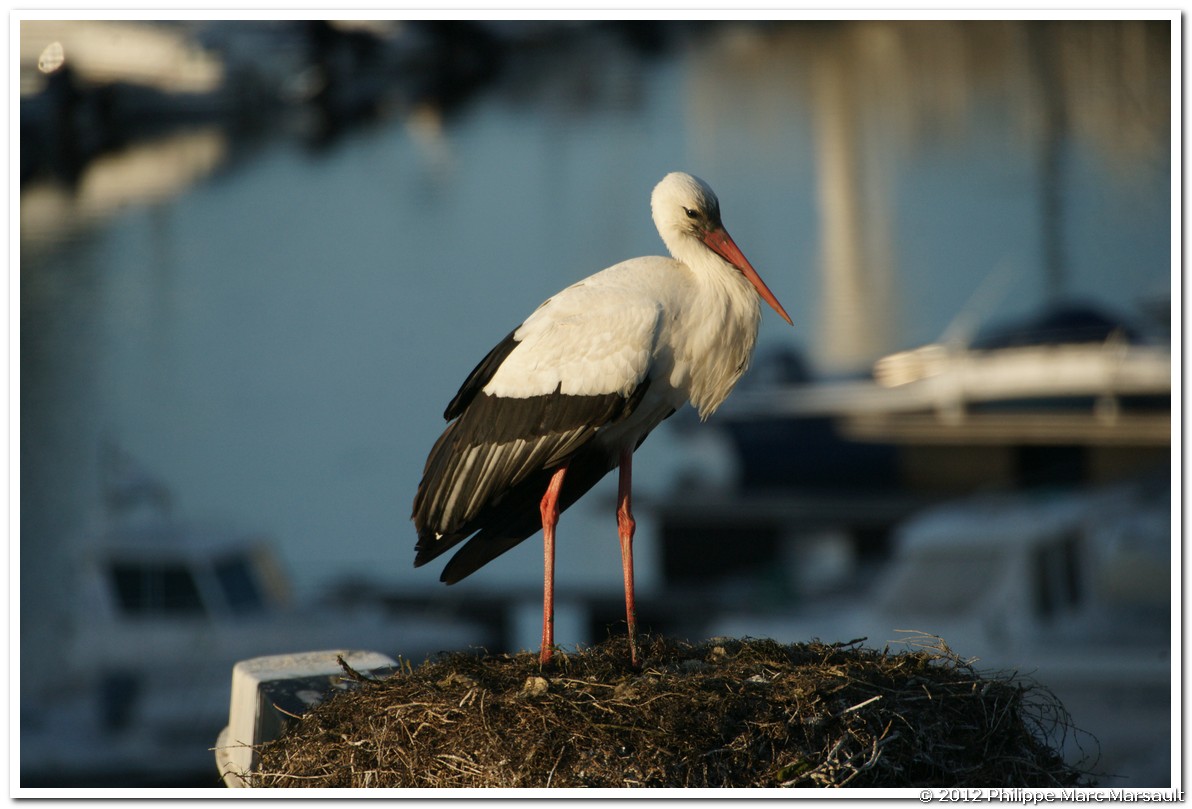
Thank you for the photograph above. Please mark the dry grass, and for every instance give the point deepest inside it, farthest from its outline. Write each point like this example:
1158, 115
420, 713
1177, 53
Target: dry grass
726, 713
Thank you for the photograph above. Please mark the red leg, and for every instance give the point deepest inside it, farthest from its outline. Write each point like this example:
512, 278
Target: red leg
550, 518
625, 528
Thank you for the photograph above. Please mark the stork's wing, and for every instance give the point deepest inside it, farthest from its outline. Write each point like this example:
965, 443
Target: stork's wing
580, 362
517, 516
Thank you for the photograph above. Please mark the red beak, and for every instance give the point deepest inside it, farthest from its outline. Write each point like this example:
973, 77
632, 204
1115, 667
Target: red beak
723, 245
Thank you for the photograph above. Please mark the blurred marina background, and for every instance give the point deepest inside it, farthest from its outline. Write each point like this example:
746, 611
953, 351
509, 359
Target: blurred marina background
257, 259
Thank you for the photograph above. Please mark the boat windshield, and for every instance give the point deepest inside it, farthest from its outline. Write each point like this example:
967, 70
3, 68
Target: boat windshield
239, 584
155, 588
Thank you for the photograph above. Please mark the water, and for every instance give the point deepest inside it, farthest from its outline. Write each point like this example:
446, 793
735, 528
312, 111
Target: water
275, 329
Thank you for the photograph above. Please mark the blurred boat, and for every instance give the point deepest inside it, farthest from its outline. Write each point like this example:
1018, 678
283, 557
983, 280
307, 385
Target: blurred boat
165, 607
1070, 375
90, 87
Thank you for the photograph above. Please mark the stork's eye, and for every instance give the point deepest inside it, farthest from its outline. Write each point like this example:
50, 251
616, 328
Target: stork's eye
691, 214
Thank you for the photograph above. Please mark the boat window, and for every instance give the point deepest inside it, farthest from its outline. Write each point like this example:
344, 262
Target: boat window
1057, 569
942, 583
155, 589
239, 584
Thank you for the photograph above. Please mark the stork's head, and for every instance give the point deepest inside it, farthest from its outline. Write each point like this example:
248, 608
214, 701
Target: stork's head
684, 208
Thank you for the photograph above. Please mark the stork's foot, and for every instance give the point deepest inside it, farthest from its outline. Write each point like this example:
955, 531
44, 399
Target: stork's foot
634, 649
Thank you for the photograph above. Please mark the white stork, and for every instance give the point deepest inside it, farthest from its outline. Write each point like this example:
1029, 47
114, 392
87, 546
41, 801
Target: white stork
570, 393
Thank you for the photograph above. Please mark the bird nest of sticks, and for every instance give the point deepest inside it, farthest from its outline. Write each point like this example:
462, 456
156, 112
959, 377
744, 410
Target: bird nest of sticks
724, 713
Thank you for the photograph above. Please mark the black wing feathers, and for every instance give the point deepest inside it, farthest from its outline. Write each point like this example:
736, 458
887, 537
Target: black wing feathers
480, 376
496, 444
490, 467
517, 516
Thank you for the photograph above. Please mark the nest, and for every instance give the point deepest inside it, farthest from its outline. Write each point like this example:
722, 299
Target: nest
725, 713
